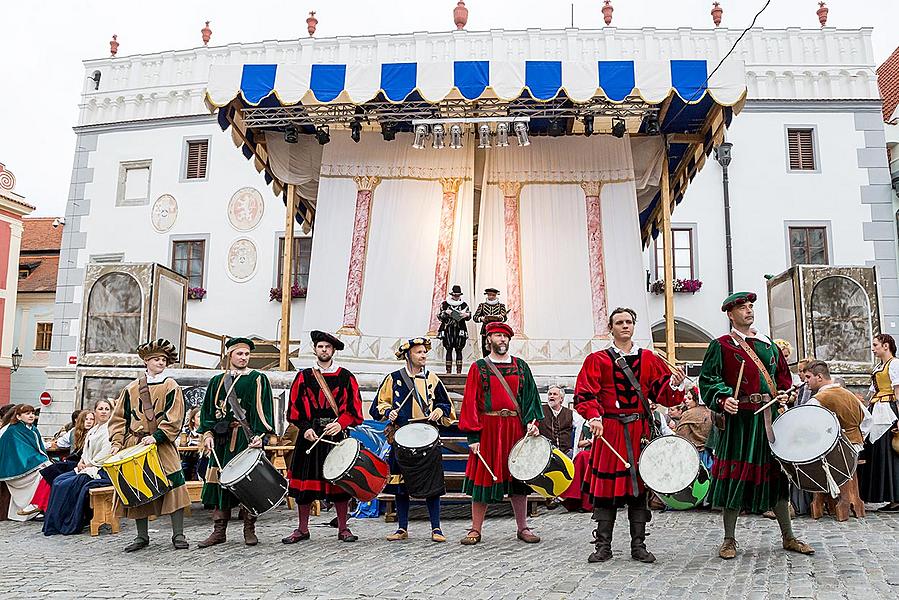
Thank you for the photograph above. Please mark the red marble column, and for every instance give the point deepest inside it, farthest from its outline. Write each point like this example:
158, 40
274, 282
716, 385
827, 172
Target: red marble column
444, 248
512, 223
356, 273
595, 257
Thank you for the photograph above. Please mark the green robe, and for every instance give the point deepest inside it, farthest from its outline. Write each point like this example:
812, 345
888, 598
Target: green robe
254, 392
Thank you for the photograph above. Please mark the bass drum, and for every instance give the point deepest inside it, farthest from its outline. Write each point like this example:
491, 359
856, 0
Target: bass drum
256, 483
356, 470
535, 461
669, 465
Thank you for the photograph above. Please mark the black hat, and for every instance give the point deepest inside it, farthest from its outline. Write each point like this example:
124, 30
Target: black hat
237, 341
491, 291
456, 290
321, 336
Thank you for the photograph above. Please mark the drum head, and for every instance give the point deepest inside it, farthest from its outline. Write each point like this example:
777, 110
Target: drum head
804, 433
340, 458
416, 435
239, 466
529, 456
668, 464
127, 454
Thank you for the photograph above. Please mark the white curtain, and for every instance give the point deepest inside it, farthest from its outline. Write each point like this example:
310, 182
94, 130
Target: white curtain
299, 163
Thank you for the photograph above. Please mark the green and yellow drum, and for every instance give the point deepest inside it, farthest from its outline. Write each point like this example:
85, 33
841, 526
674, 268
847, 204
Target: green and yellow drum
137, 475
535, 461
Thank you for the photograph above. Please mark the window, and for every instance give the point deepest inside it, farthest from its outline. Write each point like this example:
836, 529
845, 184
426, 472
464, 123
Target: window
196, 155
683, 255
808, 245
302, 255
114, 315
43, 337
802, 149
134, 183
188, 258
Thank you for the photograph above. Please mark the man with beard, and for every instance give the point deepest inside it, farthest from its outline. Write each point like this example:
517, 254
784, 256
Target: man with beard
324, 402
613, 393
489, 311
454, 315
499, 405
224, 436
557, 423
746, 476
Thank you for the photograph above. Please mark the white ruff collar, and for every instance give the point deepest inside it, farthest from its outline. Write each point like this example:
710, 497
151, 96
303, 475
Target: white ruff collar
492, 302
452, 302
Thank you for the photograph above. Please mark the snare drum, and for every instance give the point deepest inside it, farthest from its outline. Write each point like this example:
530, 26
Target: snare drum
418, 453
137, 475
256, 483
669, 465
812, 449
356, 470
535, 461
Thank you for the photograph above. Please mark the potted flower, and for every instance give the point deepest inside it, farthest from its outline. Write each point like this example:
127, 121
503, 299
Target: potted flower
296, 291
196, 293
681, 286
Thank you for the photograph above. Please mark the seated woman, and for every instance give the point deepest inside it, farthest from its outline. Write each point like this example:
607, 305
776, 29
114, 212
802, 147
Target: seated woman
695, 425
22, 456
68, 503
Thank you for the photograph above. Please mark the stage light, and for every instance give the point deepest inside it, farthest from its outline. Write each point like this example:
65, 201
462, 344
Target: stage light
588, 125
388, 132
291, 135
619, 128
555, 129
439, 133
421, 132
521, 132
502, 135
652, 125
455, 136
484, 134
356, 130
322, 134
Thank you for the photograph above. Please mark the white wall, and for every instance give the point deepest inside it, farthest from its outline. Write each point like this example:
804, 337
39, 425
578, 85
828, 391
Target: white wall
30, 381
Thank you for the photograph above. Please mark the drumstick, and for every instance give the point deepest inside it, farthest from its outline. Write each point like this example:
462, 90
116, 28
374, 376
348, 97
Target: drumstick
486, 466
773, 400
739, 379
627, 465
215, 456
674, 368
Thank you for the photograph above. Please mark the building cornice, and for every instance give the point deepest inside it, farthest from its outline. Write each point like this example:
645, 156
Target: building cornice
813, 105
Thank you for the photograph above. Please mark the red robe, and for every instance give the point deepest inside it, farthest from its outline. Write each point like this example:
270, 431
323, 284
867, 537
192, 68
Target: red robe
602, 389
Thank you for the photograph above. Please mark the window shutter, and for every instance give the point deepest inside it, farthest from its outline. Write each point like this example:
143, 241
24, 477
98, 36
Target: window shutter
802, 150
197, 151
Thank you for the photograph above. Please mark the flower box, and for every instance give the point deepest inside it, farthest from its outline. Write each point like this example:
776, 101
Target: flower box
296, 291
196, 293
681, 286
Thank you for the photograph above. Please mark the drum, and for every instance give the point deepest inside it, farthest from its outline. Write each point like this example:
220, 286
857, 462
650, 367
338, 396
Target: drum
535, 461
812, 449
418, 453
256, 483
136, 475
356, 470
669, 465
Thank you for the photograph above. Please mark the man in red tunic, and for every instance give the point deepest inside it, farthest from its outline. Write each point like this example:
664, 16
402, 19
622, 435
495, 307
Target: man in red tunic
615, 410
495, 414
319, 412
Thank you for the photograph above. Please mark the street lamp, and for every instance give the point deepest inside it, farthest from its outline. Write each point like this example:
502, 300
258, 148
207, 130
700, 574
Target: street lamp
16, 360
723, 156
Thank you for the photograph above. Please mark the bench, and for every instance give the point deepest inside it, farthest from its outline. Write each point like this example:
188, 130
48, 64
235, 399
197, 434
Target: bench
102, 500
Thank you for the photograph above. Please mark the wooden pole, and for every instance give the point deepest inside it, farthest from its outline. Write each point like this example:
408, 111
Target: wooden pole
668, 270
287, 278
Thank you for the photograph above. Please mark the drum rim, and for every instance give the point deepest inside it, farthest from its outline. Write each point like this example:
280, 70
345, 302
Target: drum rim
548, 459
258, 451
675, 436
397, 443
359, 447
828, 451
112, 461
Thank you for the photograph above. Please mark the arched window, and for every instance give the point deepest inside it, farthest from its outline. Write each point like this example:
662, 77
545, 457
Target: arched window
684, 333
841, 321
113, 315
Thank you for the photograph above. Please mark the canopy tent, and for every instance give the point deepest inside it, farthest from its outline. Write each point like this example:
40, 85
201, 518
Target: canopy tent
691, 101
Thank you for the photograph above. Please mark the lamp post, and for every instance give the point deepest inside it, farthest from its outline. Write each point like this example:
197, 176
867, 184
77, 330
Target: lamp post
16, 360
723, 156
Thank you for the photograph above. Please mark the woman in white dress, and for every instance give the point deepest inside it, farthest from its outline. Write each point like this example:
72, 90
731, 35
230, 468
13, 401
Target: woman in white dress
22, 456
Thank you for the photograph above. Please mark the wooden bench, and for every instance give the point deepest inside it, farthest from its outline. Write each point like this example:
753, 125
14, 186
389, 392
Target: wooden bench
102, 501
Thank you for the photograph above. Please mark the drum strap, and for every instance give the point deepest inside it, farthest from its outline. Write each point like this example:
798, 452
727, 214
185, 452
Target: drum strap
231, 398
326, 390
423, 404
146, 405
769, 430
493, 369
621, 363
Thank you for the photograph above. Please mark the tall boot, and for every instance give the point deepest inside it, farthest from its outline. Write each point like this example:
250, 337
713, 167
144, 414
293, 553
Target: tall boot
449, 366
638, 518
459, 366
605, 523
249, 528
219, 526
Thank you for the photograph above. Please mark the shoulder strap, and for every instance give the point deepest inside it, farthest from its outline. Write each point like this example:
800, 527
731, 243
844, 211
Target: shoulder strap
326, 390
231, 398
493, 369
621, 362
146, 404
772, 388
414, 390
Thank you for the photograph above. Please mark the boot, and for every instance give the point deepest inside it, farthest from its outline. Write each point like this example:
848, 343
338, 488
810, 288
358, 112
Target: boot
638, 518
449, 367
605, 523
249, 528
219, 526
458, 366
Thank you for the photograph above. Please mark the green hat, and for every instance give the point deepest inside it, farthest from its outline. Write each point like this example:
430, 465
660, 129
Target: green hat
736, 299
409, 344
236, 341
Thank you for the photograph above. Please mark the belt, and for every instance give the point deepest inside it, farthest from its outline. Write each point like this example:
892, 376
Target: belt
502, 413
625, 421
625, 418
752, 402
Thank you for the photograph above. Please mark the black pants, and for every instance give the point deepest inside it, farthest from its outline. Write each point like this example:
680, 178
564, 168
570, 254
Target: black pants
449, 354
485, 349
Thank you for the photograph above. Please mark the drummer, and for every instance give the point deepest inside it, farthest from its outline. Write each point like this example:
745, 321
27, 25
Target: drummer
150, 411
620, 411
413, 392
224, 437
324, 402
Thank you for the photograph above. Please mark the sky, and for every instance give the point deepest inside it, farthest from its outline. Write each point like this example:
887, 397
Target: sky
42, 44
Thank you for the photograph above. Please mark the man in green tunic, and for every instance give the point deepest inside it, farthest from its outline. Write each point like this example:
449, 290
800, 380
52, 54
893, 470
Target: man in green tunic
223, 435
745, 475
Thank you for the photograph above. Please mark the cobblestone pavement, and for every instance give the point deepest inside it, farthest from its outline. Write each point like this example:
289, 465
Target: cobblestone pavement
854, 560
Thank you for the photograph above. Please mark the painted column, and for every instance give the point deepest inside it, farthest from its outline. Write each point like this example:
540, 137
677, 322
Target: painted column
512, 223
365, 189
595, 257
444, 247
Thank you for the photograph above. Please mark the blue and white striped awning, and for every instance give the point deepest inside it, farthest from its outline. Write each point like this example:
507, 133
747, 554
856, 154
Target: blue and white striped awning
615, 80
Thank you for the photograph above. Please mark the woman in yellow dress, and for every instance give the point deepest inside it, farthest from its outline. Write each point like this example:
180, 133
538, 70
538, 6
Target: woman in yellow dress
878, 468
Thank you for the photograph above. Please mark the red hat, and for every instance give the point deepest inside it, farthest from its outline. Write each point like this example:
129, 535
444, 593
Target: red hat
496, 327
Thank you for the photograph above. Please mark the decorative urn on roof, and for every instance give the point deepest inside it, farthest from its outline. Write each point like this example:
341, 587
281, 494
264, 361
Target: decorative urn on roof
607, 11
822, 13
113, 45
717, 11
311, 22
460, 15
206, 33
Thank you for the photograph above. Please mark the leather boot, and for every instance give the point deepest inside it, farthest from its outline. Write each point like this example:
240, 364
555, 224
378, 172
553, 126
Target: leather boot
449, 367
249, 528
458, 366
605, 523
638, 518
219, 526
